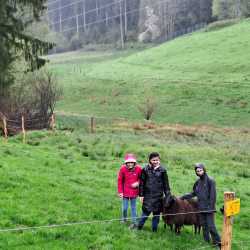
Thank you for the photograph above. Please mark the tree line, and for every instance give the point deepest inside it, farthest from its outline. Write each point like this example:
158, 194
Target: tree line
108, 21
83, 22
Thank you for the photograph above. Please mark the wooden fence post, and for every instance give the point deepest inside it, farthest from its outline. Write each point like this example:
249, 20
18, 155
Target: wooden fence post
5, 130
92, 125
23, 130
226, 242
53, 122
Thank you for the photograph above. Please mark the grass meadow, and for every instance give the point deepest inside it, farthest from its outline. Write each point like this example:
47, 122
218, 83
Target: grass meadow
201, 78
200, 84
65, 177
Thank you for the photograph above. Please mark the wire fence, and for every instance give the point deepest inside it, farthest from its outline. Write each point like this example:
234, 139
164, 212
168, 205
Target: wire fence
69, 121
241, 244
94, 124
97, 221
20, 123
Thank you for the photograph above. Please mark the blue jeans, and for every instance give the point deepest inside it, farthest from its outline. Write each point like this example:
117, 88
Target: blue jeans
125, 204
155, 219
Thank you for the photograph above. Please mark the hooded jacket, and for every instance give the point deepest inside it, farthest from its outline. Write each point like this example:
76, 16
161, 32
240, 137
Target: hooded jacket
205, 190
126, 177
153, 185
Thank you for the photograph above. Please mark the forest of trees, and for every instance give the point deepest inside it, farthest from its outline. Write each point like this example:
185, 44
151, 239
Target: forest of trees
81, 22
107, 21
227, 9
93, 21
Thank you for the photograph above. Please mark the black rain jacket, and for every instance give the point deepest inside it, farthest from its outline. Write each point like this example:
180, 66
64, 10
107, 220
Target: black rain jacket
205, 190
153, 186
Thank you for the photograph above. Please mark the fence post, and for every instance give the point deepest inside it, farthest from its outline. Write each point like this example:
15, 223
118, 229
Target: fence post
23, 130
92, 124
53, 122
5, 130
226, 242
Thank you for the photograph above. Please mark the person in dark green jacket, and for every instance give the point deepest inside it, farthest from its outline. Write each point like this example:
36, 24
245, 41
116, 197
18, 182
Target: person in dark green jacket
205, 191
153, 186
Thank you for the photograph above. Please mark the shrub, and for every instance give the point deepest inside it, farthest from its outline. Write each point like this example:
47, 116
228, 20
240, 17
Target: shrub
147, 108
33, 96
36, 92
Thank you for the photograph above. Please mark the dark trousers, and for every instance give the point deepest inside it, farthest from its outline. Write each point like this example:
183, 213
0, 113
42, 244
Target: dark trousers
208, 227
155, 219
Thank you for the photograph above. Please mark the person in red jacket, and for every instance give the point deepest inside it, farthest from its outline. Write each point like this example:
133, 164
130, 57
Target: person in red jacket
128, 186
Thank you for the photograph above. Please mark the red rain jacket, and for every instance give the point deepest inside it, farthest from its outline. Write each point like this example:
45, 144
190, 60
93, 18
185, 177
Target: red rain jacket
126, 178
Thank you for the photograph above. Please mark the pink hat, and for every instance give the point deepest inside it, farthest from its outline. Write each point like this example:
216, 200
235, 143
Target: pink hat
129, 158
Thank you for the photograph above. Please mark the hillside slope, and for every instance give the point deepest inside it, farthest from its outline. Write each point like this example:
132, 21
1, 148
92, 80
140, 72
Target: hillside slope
65, 177
201, 78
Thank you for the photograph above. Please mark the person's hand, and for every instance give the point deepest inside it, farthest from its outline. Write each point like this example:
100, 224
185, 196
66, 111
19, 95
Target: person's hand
141, 199
222, 209
135, 184
120, 195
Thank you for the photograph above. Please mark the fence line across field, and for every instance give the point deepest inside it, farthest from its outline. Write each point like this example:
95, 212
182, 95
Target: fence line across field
65, 120
21, 124
245, 83
94, 222
107, 221
89, 116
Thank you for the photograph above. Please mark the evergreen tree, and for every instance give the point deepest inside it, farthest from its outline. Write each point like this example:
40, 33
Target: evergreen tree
14, 42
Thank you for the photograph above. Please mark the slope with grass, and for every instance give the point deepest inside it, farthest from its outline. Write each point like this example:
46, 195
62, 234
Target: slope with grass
65, 177
203, 78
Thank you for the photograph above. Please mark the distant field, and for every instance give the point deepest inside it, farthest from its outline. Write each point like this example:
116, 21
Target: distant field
71, 177
203, 78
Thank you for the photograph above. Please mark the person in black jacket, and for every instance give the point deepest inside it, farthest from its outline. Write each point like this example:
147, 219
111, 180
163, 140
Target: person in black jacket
153, 186
204, 189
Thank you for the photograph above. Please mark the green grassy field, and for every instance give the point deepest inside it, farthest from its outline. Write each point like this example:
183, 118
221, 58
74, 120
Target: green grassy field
71, 177
201, 78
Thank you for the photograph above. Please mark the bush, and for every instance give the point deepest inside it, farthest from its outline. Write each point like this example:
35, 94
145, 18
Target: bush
147, 108
33, 95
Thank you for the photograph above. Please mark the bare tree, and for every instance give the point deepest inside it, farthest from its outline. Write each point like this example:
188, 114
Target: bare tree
34, 95
147, 108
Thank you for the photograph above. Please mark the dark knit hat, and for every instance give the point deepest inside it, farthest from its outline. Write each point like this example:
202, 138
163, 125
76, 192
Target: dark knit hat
199, 165
153, 155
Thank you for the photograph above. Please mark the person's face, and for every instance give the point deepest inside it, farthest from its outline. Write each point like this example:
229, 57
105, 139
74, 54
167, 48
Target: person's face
155, 162
130, 165
199, 171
